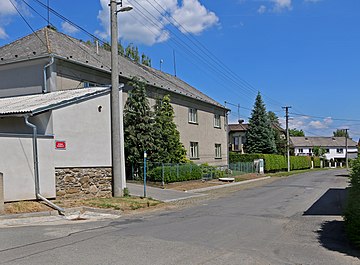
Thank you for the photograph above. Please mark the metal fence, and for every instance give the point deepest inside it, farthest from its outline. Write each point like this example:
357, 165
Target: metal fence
166, 173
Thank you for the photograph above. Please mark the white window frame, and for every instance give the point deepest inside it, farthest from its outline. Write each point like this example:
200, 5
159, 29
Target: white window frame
193, 116
218, 151
217, 121
194, 150
339, 150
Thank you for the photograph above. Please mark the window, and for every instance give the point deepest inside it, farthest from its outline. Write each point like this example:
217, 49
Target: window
327, 151
339, 150
300, 150
194, 150
193, 115
236, 143
310, 150
217, 150
217, 121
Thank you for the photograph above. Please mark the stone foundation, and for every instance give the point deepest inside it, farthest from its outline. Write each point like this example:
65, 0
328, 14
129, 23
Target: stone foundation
83, 182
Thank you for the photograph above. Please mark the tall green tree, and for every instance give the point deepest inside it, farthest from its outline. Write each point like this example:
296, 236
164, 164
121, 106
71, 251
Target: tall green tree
145, 60
296, 132
169, 147
280, 140
260, 136
132, 52
341, 133
138, 123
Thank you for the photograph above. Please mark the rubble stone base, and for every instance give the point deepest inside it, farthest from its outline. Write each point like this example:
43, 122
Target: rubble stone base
83, 182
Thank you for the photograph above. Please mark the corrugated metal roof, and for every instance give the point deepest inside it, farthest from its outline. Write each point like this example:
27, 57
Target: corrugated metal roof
321, 142
46, 42
32, 104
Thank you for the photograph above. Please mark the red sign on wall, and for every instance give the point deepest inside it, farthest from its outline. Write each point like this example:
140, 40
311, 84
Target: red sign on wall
60, 145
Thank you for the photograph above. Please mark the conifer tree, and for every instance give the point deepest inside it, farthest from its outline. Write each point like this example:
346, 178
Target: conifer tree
138, 123
169, 147
280, 142
260, 136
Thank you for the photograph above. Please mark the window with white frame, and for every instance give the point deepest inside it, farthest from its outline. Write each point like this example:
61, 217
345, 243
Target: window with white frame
217, 121
194, 150
217, 150
339, 150
300, 150
193, 115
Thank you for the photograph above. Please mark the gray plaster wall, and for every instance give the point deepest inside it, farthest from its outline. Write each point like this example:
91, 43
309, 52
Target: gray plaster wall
203, 132
22, 78
16, 125
16, 163
86, 131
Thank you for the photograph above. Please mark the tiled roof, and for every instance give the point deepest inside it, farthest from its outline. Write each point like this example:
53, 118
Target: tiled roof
46, 42
240, 127
19, 106
243, 127
321, 142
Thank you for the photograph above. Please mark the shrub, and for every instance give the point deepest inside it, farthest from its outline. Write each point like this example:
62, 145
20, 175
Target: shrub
317, 161
275, 163
175, 173
352, 211
300, 162
237, 157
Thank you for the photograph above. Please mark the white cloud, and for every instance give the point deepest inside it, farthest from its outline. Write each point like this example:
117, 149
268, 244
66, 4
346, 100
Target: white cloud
321, 124
194, 17
146, 25
68, 28
262, 9
281, 5
6, 10
3, 34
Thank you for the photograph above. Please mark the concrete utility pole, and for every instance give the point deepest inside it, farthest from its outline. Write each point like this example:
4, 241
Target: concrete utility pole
346, 150
287, 137
117, 124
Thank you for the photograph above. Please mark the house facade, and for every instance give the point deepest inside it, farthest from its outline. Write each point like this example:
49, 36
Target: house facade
237, 136
50, 62
335, 147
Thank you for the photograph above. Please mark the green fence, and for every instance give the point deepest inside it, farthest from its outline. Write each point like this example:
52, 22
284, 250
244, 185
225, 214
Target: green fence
167, 173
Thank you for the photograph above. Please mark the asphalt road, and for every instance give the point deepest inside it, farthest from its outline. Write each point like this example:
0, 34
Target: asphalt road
295, 220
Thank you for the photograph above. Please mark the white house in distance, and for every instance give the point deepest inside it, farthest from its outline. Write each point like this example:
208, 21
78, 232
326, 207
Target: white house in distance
60, 84
335, 147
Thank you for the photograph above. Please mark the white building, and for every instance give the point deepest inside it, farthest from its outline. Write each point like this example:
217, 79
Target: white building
55, 81
335, 147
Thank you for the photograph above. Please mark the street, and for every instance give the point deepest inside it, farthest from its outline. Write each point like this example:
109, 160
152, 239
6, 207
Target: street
294, 220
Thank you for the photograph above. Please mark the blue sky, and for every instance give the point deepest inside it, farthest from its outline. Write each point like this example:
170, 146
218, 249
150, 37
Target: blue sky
300, 53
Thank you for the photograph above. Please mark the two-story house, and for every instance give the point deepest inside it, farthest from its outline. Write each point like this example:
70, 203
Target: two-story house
335, 147
61, 84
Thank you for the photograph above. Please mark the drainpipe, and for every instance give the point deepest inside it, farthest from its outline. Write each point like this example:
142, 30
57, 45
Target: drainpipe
36, 168
45, 88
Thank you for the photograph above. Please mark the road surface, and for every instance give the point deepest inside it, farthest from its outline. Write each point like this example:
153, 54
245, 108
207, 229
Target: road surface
294, 220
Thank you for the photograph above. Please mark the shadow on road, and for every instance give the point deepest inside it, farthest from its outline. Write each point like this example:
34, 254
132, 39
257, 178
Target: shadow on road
331, 203
332, 236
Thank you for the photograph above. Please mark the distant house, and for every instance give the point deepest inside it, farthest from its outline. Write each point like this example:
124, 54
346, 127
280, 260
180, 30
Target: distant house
335, 147
237, 136
47, 71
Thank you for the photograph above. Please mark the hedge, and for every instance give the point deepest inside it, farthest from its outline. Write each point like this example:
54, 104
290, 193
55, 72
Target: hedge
175, 173
352, 211
300, 162
274, 163
317, 161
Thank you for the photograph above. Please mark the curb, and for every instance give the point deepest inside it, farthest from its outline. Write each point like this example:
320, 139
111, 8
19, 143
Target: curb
68, 211
228, 185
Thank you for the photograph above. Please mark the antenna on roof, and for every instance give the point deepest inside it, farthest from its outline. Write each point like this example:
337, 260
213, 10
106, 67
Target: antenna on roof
161, 62
174, 62
48, 13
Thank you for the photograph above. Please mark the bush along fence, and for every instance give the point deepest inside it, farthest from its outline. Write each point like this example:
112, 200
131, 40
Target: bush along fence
168, 173
275, 163
352, 211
